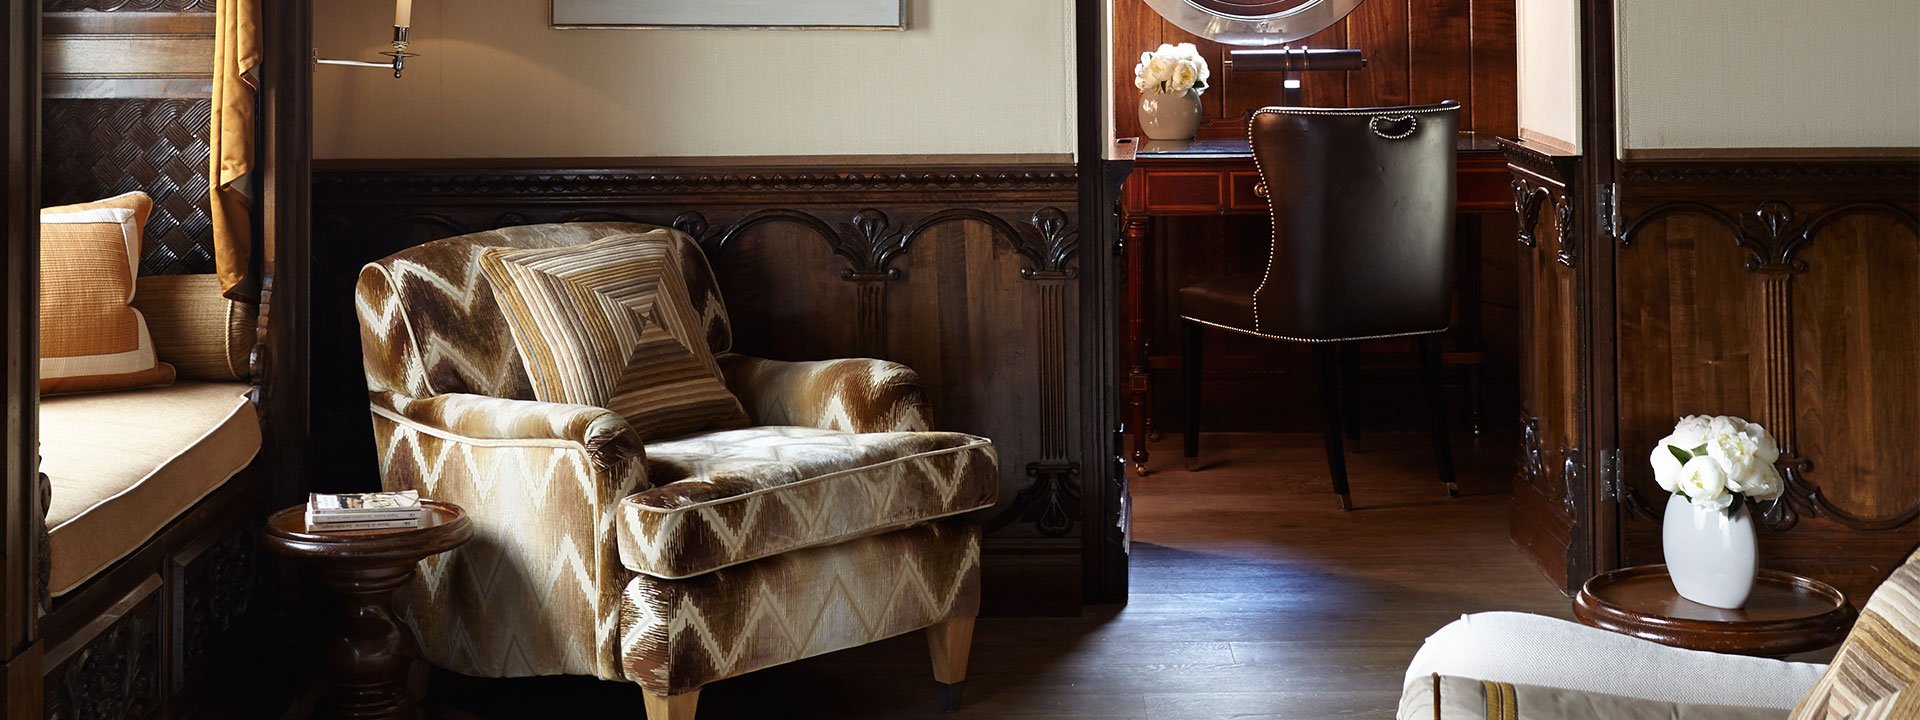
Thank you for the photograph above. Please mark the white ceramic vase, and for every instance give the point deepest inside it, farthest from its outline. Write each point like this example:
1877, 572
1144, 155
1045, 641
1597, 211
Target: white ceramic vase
1711, 554
1169, 116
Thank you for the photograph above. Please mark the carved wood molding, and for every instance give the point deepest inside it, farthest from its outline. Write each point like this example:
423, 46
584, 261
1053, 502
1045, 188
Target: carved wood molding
1800, 174
680, 181
1527, 199
1773, 232
197, 6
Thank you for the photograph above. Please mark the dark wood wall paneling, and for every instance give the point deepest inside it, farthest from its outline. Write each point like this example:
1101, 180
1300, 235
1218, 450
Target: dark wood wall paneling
968, 271
1418, 51
1787, 293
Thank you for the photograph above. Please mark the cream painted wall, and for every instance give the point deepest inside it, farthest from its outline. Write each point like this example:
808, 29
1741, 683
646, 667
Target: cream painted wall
494, 80
1768, 74
1549, 68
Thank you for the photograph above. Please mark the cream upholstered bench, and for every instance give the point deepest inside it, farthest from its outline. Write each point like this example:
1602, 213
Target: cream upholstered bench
122, 465
1514, 666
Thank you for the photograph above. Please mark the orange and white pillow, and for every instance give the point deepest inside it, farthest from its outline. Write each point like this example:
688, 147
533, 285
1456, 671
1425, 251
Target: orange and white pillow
91, 337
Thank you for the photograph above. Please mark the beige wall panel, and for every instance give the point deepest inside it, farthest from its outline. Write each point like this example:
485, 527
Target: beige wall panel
1707, 74
1549, 69
494, 80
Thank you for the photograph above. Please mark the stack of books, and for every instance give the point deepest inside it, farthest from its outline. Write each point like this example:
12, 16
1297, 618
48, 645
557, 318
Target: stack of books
363, 511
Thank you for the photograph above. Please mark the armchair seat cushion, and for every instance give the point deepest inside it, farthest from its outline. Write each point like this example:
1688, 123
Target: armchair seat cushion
734, 496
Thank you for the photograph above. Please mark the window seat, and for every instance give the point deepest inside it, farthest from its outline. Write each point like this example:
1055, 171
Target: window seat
125, 464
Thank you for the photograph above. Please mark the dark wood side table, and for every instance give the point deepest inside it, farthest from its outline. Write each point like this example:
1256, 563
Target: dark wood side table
369, 656
1786, 615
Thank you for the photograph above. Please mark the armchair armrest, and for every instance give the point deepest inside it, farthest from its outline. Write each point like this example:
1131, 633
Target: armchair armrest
537, 590
1448, 697
852, 395
603, 435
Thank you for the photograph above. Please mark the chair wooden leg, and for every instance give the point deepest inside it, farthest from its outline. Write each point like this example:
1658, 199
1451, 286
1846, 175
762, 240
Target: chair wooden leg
950, 643
1349, 402
1327, 357
1437, 411
1192, 355
672, 707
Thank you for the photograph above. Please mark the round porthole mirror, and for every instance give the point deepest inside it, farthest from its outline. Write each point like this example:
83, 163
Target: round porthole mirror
1253, 23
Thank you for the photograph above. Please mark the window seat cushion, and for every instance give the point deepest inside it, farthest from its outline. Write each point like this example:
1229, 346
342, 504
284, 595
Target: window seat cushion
124, 464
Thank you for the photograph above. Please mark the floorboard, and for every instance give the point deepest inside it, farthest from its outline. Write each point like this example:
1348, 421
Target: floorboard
1253, 596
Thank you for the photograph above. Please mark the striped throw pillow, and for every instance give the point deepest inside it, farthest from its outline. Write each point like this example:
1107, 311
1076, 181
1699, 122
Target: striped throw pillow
91, 337
1880, 658
610, 324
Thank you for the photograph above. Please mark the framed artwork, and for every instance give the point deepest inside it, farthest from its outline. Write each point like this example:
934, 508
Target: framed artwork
796, 14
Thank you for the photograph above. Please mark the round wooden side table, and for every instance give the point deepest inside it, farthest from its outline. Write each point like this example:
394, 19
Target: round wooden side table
369, 655
1786, 615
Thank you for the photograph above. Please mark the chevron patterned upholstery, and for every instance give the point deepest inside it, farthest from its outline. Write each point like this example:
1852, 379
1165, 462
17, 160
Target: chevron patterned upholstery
734, 496
853, 395
429, 323
839, 519
679, 635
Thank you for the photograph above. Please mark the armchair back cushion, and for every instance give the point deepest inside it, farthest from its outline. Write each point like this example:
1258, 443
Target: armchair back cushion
430, 326
1880, 658
609, 324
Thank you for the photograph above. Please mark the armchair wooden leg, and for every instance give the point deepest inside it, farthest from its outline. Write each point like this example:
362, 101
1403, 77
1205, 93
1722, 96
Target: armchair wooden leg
672, 707
950, 643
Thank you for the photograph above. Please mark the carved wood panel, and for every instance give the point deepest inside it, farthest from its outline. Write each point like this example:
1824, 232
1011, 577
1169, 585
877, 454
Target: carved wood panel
1798, 307
1551, 487
116, 673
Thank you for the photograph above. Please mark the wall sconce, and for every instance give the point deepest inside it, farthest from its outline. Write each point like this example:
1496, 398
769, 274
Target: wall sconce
402, 20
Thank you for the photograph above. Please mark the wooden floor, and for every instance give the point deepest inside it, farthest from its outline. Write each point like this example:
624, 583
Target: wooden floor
1252, 597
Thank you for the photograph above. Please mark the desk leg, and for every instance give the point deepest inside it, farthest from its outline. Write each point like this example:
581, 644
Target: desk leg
1139, 375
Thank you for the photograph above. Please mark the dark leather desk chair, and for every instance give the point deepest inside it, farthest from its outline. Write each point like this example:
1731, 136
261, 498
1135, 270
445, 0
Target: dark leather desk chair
1362, 249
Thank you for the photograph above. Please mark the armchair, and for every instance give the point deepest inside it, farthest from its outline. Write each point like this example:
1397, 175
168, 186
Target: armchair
837, 518
1514, 666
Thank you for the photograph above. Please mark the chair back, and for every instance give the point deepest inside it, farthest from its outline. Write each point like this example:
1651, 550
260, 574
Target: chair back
429, 324
1363, 211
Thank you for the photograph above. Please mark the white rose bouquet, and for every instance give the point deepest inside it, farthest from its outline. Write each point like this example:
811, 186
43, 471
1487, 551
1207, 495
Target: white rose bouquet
1714, 461
1172, 69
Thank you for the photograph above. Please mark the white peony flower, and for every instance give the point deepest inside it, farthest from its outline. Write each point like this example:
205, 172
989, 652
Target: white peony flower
1160, 68
1765, 483
1704, 483
1767, 449
1183, 78
1666, 467
1730, 446
1691, 432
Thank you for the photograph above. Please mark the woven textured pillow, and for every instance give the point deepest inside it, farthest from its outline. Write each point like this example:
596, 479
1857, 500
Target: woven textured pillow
609, 324
200, 332
1881, 656
91, 337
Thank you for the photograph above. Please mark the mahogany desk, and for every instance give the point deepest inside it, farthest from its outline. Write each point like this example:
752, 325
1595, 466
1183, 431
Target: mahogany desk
1216, 177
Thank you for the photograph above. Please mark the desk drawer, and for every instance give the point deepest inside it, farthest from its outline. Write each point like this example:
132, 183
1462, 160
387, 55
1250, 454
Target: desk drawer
1240, 186
1184, 191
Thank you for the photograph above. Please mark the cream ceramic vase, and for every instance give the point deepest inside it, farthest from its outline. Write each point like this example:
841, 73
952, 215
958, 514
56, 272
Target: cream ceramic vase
1712, 555
1169, 116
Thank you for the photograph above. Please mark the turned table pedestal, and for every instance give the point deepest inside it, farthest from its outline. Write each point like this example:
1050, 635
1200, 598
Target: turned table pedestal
1787, 614
369, 655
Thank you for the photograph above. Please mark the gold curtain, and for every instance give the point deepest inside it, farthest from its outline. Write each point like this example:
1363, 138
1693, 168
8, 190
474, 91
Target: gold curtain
236, 62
